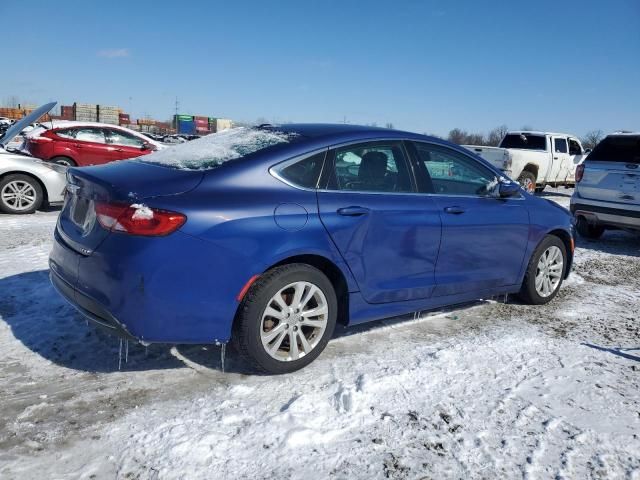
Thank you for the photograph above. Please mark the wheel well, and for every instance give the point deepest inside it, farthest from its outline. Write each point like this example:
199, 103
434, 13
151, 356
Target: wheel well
333, 273
566, 239
531, 168
45, 196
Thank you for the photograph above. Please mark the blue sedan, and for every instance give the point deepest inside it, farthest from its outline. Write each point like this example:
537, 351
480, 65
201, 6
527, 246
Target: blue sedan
268, 236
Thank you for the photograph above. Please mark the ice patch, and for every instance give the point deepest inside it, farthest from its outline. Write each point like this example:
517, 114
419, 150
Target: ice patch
215, 149
142, 212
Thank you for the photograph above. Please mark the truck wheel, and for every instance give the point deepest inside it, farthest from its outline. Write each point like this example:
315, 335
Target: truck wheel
545, 272
286, 318
528, 181
588, 230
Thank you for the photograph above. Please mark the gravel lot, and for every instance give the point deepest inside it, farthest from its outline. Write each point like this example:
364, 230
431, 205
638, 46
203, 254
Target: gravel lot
488, 390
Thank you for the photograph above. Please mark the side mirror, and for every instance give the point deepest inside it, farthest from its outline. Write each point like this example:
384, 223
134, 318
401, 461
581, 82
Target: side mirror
509, 189
587, 151
147, 146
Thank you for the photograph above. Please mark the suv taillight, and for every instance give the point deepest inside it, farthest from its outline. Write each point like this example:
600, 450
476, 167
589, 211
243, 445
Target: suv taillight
138, 219
579, 172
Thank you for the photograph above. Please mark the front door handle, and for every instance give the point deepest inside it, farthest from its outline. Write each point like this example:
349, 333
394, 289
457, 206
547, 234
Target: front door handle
353, 211
454, 210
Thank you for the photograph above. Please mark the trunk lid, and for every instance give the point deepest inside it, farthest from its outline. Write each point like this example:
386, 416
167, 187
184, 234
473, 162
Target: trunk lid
121, 182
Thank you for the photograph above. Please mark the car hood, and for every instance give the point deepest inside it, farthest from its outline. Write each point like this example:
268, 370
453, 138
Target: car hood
20, 125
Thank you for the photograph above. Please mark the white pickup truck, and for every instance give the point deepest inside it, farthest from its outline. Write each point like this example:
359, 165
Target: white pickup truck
535, 159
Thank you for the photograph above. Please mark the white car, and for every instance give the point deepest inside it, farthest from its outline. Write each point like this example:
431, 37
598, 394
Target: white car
535, 159
5, 121
26, 183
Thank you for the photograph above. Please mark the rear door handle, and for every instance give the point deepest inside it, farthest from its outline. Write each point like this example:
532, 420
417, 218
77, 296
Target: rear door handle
353, 211
454, 210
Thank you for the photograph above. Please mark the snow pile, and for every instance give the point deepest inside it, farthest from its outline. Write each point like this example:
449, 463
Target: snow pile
213, 150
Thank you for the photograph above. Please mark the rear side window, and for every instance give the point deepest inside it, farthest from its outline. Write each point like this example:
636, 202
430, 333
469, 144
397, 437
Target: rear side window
525, 141
560, 145
66, 133
617, 148
303, 173
95, 135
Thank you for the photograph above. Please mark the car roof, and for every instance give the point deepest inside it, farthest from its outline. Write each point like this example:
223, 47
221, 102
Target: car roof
536, 132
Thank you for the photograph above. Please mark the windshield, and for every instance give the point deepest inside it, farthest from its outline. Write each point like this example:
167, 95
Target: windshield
525, 141
215, 149
617, 148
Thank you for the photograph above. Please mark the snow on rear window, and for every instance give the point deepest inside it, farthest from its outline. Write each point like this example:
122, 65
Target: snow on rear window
215, 149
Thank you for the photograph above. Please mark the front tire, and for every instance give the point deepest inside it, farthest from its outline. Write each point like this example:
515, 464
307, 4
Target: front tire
286, 318
545, 272
20, 194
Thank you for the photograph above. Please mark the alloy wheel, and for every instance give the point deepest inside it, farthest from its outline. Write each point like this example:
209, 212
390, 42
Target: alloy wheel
294, 321
18, 195
549, 271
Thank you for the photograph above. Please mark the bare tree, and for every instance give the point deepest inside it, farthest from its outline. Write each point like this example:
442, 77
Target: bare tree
457, 136
496, 135
474, 139
527, 128
592, 138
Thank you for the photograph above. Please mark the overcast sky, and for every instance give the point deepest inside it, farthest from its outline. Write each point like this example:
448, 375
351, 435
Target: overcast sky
425, 66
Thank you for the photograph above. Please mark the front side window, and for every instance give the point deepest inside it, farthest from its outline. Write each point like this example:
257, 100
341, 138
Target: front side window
304, 173
447, 172
95, 135
574, 147
560, 145
117, 137
371, 167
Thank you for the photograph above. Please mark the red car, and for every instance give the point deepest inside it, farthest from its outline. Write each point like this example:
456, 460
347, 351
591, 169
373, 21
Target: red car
78, 144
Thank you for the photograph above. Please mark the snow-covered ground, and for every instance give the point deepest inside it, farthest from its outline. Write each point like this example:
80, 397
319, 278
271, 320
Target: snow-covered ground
490, 390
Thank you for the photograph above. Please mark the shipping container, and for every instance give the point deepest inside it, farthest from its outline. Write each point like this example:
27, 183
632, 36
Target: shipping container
186, 126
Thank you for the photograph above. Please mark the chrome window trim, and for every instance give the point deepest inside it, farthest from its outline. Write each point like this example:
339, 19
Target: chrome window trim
275, 169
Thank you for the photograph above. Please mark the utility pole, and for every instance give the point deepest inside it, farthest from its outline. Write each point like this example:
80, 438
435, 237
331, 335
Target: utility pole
175, 118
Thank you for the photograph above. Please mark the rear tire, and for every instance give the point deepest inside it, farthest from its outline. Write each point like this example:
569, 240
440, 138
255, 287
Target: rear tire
588, 230
66, 161
20, 194
275, 312
545, 272
528, 181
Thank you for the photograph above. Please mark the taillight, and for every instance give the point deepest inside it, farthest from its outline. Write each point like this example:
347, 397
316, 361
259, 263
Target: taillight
138, 219
579, 172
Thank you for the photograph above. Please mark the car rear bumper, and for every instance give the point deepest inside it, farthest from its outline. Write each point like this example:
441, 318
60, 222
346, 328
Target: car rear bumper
155, 290
597, 213
89, 308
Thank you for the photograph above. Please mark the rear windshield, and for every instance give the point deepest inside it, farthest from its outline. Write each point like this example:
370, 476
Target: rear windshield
617, 148
525, 141
215, 149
